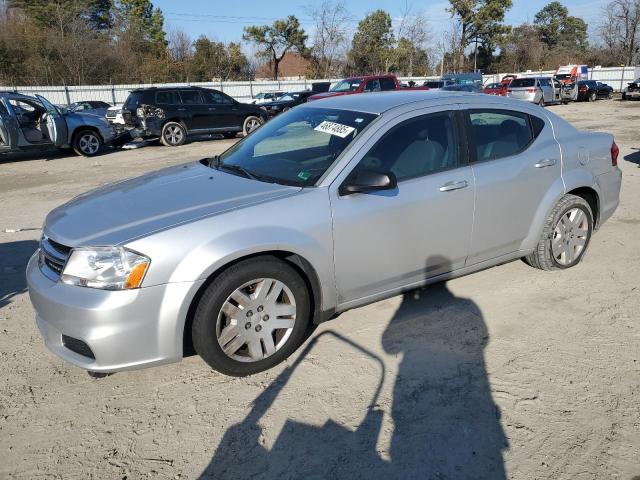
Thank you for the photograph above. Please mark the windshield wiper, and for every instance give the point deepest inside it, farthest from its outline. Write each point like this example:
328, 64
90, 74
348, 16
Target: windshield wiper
216, 162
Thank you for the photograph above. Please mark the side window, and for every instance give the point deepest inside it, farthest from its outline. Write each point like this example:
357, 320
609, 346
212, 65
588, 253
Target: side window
165, 97
372, 86
416, 147
218, 98
387, 84
544, 82
191, 97
500, 133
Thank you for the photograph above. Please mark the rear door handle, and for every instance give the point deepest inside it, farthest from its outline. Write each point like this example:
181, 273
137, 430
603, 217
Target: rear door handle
181, 109
449, 186
546, 163
212, 108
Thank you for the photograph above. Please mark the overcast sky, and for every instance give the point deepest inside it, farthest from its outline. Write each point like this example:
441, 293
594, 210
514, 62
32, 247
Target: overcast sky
224, 20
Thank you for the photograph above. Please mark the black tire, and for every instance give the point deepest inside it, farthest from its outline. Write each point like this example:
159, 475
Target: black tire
87, 143
230, 134
249, 123
624, 96
206, 314
610, 96
541, 101
173, 134
542, 257
593, 96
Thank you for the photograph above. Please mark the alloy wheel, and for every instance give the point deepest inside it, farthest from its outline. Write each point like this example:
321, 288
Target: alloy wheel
252, 124
89, 144
173, 134
256, 320
570, 236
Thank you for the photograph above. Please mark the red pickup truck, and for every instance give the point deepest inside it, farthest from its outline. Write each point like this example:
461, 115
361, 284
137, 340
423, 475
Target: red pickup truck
352, 85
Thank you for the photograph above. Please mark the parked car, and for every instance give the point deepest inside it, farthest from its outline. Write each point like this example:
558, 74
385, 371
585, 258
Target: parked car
353, 85
632, 90
174, 113
464, 87
499, 89
237, 255
264, 97
569, 76
592, 90
28, 123
114, 116
434, 84
286, 102
89, 106
540, 90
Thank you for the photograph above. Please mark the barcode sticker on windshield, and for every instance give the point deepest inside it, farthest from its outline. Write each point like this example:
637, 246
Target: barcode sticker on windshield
335, 129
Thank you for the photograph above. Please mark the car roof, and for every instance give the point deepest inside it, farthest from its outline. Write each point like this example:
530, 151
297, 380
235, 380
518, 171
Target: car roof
380, 102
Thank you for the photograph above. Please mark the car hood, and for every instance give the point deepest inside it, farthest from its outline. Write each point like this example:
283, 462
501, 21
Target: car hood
121, 212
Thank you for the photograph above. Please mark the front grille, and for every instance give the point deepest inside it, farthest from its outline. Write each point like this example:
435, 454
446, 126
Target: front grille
77, 346
53, 257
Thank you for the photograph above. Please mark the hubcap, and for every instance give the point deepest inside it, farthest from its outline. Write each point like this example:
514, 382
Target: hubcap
252, 125
256, 320
89, 144
173, 134
570, 236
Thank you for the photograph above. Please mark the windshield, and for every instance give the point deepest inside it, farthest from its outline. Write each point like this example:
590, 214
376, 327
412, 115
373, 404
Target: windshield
348, 85
287, 97
297, 147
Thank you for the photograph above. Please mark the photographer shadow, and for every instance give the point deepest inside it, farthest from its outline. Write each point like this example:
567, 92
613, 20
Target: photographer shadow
446, 423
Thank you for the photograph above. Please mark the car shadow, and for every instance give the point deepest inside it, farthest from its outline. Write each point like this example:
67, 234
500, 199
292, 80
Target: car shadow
446, 424
13, 262
633, 157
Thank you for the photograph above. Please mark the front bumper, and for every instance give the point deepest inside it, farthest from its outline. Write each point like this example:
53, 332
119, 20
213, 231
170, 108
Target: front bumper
125, 330
632, 94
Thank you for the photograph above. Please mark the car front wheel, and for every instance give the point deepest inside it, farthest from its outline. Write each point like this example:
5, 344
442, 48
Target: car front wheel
593, 97
173, 134
252, 317
565, 236
87, 143
250, 124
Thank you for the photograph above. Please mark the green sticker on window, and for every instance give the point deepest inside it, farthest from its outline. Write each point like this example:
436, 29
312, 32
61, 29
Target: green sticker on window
304, 175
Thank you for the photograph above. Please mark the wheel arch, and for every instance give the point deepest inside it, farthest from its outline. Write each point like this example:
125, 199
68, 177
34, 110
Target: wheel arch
81, 128
297, 261
590, 195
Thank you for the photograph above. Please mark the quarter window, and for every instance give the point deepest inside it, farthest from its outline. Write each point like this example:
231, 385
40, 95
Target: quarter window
501, 133
414, 148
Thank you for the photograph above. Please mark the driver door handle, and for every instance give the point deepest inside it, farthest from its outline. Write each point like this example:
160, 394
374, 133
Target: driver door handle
546, 163
449, 186
212, 108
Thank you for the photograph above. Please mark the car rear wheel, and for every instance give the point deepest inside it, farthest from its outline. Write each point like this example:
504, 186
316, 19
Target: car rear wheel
541, 101
87, 143
252, 317
250, 124
593, 97
565, 237
173, 134
610, 95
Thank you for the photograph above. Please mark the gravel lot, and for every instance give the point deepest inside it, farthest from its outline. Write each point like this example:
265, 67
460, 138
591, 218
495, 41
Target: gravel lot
510, 372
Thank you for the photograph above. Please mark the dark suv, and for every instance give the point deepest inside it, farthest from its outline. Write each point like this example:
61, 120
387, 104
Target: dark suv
176, 112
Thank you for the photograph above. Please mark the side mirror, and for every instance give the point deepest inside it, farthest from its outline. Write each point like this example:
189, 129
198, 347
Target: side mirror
368, 181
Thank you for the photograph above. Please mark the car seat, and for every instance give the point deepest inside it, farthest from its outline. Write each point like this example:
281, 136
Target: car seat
420, 156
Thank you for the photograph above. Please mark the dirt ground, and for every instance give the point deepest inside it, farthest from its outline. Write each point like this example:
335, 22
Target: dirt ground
507, 373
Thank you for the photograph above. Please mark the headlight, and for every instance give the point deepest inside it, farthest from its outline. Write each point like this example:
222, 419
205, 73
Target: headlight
108, 268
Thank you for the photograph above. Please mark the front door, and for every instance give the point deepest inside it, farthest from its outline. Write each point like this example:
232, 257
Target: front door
9, 129
223, 111
56, 123
515, 160
389, 240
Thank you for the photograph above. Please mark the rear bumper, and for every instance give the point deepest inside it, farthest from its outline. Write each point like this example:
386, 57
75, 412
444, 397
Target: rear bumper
632, 94
125, 330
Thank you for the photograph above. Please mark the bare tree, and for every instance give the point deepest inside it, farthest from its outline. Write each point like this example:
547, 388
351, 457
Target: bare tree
180, 45
620, 29
412, 34
330, 38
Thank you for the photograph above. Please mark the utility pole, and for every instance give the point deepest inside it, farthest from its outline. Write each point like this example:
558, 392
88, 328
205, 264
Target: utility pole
475, 57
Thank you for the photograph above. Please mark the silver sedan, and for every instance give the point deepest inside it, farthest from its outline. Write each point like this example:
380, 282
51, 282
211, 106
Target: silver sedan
330, 206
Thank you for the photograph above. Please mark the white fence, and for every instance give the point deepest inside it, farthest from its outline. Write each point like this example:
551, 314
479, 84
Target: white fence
617, 77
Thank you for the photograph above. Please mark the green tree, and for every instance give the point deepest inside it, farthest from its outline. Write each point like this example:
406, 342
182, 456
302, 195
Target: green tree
274, 41
480, 21
215, 60
139, 18
97, 13
559, 29
372, 44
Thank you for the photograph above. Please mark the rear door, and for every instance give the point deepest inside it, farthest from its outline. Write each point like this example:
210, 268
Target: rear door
56, 123
193, 111
515, 160
8, 129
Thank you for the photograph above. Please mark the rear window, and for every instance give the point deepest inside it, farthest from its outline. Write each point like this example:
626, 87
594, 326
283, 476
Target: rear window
523, 82
435, 84
387, 84
133, 100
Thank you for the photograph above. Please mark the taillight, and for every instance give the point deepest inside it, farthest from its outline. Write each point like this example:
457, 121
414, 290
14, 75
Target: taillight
614, 154
531, 90
509, 91
583, 88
